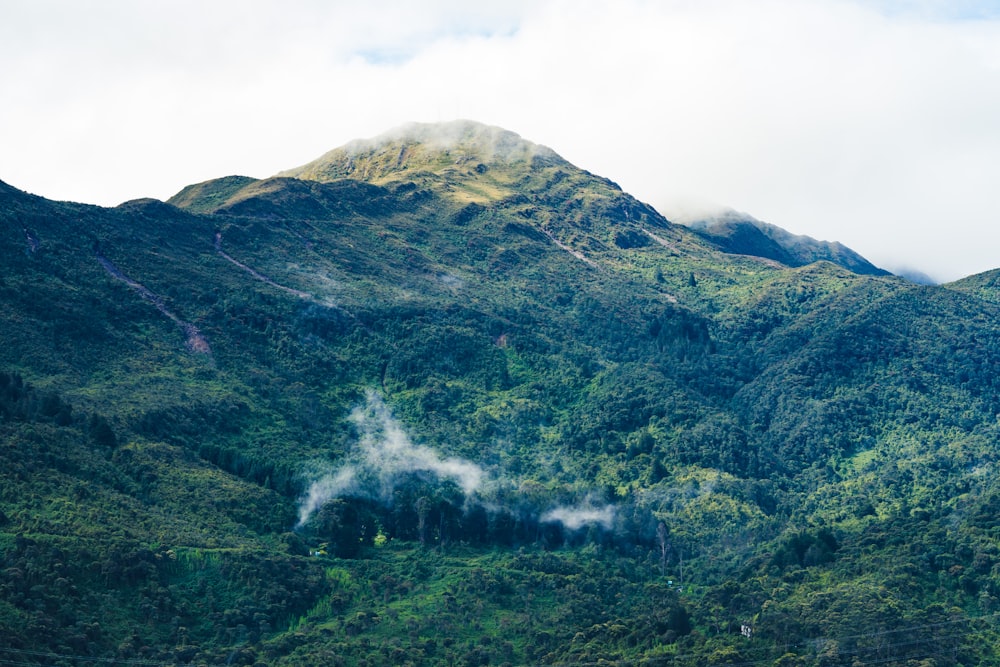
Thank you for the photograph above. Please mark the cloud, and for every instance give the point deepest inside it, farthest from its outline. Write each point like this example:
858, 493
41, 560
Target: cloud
386, 449
332, 485
384, 455
871, 123
576, 517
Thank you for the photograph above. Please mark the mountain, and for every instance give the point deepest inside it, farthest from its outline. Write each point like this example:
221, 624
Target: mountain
741, 234
442, 397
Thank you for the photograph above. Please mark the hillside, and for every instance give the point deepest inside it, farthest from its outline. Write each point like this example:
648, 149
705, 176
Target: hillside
443, 397
739, 233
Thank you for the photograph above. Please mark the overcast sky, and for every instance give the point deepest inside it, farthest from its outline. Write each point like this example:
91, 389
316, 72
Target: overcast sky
871, 122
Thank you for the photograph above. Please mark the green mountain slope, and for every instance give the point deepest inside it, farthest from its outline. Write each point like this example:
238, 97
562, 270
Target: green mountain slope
442, 397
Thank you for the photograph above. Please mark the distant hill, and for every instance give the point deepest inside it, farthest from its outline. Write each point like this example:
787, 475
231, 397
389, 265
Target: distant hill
741, 234
442, 397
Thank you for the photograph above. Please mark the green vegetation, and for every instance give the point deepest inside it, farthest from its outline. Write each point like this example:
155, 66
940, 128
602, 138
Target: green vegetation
539, 423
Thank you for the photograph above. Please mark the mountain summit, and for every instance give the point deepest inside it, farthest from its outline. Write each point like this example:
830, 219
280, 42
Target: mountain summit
462, 160
460, 147
463, 168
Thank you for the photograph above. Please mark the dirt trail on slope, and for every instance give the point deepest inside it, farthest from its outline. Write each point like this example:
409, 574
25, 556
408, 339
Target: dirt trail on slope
195, 340
662, 241
256, 274
576, 253
290, 290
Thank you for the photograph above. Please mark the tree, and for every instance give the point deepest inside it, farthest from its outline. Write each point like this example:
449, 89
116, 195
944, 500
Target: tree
423, 506
101, 433
662, 535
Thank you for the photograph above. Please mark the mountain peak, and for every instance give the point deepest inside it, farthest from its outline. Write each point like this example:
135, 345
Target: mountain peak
436, 148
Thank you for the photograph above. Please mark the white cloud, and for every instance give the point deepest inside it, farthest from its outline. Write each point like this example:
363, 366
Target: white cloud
575, 518
384, 455
871, 123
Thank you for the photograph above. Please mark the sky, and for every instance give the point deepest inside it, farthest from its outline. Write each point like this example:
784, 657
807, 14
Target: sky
875, 123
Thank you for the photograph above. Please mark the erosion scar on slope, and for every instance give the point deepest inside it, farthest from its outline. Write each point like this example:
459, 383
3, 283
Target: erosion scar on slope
662, 241
195, 340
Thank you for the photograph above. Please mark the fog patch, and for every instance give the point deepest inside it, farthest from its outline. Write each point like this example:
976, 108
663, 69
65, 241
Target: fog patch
451, 280
327, 487
578, 516
459, 137
383, 456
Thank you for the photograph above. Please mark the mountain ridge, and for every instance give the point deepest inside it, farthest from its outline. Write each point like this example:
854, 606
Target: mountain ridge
743, 234
461, 152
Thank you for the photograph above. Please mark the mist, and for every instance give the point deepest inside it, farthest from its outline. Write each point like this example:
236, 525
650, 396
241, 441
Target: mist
383, 456
386, 468
493, 143
576, 517
334, 485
